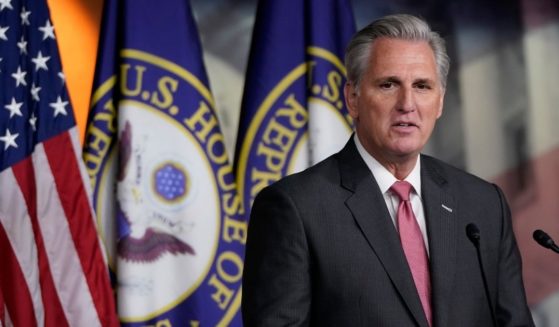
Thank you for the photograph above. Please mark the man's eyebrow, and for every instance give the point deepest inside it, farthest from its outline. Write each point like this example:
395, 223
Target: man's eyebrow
424, 81
393, 79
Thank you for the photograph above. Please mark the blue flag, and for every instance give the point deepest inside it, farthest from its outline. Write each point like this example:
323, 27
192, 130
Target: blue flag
164, 190
293, 111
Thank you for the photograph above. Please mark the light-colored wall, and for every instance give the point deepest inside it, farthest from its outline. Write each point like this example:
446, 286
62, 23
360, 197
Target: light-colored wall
541, 48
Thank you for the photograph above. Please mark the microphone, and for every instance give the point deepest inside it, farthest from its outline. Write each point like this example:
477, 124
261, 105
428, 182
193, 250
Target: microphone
473, 234
472, 231
545, 240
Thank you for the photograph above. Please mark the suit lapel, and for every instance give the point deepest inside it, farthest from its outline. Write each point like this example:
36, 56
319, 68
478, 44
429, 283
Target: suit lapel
441, 214
369, 210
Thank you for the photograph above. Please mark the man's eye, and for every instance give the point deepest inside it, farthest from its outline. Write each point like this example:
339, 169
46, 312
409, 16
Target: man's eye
386, 85
423, 86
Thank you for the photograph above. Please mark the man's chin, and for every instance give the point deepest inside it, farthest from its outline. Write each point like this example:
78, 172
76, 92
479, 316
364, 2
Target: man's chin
406, 150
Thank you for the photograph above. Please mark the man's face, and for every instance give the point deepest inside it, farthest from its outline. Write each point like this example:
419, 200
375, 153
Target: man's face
398, 100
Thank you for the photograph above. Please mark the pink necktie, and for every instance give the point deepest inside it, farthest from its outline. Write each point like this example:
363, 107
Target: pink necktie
414, 247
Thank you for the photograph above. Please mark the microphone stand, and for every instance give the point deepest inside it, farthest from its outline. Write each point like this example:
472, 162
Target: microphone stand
472, 231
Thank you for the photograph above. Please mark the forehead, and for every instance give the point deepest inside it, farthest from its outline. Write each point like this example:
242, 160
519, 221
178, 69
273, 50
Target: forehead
392, 56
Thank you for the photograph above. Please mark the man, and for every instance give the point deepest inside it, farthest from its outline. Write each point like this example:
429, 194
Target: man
341, 244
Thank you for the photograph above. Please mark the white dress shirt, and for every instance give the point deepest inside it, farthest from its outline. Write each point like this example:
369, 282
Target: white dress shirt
385, 180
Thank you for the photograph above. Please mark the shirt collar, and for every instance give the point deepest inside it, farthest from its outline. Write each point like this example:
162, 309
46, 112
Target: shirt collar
384, 178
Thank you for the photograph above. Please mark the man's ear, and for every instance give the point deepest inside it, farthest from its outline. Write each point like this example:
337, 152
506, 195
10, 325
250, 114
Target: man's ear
441, 104
350, 94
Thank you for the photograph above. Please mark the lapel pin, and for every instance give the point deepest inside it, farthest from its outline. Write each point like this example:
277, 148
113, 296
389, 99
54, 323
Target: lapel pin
446, 208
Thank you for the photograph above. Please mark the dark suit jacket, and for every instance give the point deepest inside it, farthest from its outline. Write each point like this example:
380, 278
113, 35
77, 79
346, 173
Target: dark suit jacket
322, 251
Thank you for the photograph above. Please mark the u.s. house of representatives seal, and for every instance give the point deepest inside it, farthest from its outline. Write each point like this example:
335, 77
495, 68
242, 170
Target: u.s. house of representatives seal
301, 121
165, 196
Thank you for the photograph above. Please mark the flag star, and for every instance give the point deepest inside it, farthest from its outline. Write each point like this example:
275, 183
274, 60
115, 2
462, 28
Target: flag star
25, 16
3, 32
14, 108
33, 121
62, 77
1, 61
19, 76
40, 62
35, 92
6, 4
22, 45
59, 106
9, 139
48, 30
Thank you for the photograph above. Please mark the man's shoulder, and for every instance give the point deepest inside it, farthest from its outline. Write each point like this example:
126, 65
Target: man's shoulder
454, 176
326, 171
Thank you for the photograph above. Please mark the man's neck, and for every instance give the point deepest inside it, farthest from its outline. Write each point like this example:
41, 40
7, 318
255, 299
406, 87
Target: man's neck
399, 168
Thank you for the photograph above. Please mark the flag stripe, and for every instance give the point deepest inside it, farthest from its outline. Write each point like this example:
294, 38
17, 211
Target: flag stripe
69, 231
22, 295
19, 305
77, 151
7, 320
83, 229
25, 177
64, 265
77, 147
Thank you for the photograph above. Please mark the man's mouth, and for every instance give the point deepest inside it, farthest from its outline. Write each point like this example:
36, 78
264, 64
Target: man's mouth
404, 124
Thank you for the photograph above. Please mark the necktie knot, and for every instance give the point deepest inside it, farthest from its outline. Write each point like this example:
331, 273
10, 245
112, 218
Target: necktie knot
402, 189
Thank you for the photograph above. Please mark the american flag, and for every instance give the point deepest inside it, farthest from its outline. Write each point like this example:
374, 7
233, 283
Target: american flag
52, 268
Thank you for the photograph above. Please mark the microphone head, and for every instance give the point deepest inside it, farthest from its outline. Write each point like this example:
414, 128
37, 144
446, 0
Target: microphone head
473, 233
543, 239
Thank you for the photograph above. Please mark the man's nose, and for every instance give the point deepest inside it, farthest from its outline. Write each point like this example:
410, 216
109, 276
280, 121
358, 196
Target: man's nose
406, 101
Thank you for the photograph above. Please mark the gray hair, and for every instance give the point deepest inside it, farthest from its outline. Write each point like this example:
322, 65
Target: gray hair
404, 27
